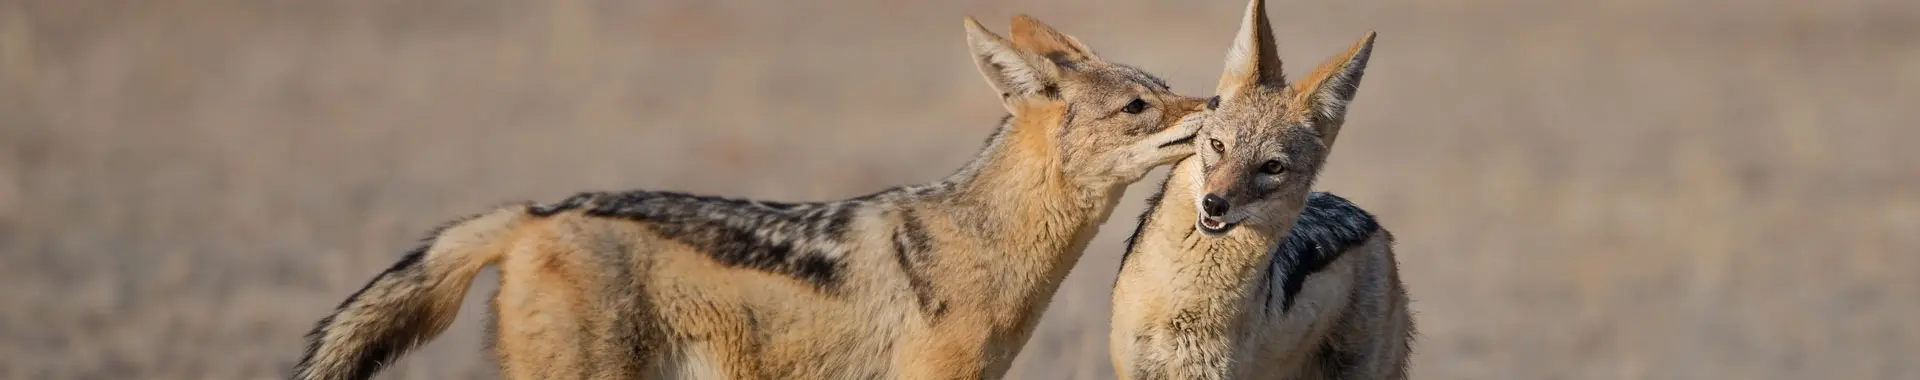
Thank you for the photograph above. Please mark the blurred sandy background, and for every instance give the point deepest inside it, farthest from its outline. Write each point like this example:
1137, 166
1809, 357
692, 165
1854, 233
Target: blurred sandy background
1581, 190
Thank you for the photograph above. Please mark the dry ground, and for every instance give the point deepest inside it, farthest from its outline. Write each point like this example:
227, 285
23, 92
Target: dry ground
1582, 190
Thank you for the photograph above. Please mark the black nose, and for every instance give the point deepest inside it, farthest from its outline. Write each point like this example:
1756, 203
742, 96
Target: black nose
1214, 205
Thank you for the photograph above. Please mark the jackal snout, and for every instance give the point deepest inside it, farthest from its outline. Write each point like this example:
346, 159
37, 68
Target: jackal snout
1214, 205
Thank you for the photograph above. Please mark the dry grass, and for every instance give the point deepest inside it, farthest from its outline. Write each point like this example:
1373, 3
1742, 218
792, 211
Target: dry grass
1629, 189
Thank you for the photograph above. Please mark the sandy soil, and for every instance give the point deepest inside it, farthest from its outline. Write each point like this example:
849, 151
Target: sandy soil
1630, 189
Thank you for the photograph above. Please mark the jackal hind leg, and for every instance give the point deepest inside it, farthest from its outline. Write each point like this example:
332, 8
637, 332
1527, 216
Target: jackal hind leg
557, 318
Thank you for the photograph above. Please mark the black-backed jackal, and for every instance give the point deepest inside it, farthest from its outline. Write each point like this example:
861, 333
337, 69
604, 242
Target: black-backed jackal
944, 280
1237, 271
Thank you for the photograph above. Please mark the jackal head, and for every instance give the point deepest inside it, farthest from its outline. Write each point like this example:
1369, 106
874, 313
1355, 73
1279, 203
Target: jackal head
1263, 140
1108, 123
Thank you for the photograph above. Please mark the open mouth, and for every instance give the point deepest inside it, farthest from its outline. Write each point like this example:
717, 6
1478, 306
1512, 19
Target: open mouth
1213, 226
1182, 140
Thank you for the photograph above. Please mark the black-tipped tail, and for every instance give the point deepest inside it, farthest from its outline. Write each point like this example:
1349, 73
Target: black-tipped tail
406, 305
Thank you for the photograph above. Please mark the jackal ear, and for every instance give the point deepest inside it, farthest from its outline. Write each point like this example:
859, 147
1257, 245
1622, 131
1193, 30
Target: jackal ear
1032, 35
1326, 92
1014, 72
1253, 60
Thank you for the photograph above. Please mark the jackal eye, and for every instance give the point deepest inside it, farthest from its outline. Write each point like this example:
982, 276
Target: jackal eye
1273, 167
1213, 103
1135, 107
1217, 146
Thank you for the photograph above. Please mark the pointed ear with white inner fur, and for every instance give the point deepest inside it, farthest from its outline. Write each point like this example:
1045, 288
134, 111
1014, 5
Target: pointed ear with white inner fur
1326, 92
1253, 60
1034, 36
1016, 73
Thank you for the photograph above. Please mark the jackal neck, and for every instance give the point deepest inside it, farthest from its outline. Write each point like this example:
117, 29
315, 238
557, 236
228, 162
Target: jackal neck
1030, 220
1018, 189
1208, 266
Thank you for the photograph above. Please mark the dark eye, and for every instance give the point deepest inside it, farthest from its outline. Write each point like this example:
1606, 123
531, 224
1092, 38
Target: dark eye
1273, 167
1136, 106
1213, 103
1217, 146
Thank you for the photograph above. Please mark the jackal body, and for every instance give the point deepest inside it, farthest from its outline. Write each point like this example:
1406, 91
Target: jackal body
942, 280
1237, 271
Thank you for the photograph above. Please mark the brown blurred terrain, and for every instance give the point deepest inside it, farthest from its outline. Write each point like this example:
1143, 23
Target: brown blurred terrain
1581, 190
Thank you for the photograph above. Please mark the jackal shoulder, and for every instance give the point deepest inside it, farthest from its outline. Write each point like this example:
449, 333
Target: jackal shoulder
1328, 226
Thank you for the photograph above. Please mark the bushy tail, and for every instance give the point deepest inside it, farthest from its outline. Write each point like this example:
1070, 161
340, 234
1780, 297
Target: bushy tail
408, 304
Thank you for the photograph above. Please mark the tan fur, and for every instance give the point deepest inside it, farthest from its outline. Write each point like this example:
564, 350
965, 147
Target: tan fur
586, 294
1174, 274
411, 303
1195, 304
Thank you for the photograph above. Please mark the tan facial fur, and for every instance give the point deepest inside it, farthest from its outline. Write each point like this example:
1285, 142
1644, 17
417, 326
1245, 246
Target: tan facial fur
1119, 121
1237, 270
1265, 141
